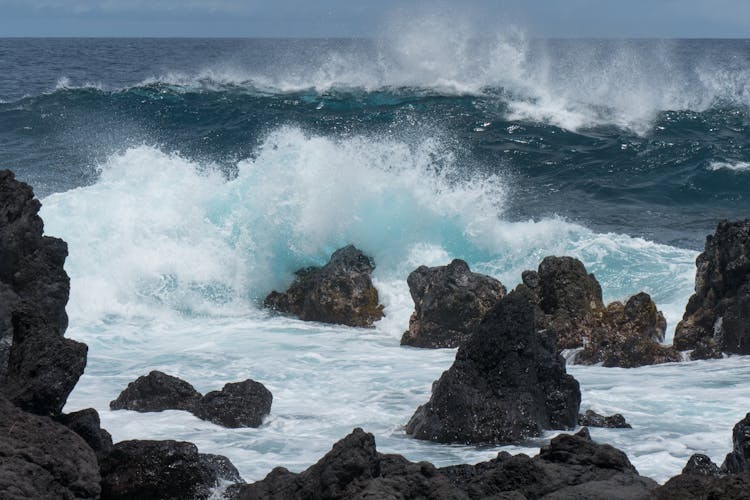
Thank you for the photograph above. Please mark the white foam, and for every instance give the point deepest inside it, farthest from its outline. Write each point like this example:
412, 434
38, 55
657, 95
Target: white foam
739, 166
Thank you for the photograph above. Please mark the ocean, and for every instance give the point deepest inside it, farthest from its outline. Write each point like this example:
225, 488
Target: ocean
190, 177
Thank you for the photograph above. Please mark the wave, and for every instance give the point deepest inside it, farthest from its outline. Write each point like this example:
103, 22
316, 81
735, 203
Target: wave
737, 166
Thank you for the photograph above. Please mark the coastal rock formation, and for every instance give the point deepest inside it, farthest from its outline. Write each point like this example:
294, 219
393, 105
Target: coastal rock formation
508, 383
86, 424
449, 302
739, 459
40, 458
161, 469
240, 404
38, 366
717, 316
341, 292
592, 419
157, 391
572, 466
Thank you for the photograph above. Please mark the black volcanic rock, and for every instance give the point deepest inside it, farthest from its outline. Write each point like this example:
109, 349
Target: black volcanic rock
166, 470
157, 391
38, 366
508, 383
239, 404
86, 424
739, 459
340, 292
570, 467
592, 419
40, 458
717, 316
449, 302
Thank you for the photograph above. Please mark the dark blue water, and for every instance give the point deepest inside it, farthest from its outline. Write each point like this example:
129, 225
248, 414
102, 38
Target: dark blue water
646, 138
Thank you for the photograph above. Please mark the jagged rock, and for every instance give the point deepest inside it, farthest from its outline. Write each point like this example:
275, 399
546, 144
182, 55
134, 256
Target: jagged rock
717, 316
739, 459
449, 302
159, 469
86, 424
240, 404
340, 292
508, 383
570, 467
157, 391
701, 464
40, 458
592, 419
38, 366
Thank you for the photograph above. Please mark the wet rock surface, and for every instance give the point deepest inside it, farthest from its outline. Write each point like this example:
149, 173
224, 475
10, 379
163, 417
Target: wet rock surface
157, 391
508, 383
592, 419
717, 316
86, 424
239, 404
341, 292
449, 303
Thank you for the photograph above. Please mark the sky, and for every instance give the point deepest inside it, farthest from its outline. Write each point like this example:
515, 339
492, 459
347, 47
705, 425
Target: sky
347, 18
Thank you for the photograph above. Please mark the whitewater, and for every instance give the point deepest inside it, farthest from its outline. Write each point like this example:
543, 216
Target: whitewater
192, 177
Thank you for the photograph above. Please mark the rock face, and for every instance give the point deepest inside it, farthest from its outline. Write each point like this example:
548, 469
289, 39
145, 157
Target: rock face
38, 366
626, 335
40, 458
160, 469
739, 459
508, 383
449, 303
157, 391
570, 467
240, 404
717, 316
86, 424
592, 419
340, 292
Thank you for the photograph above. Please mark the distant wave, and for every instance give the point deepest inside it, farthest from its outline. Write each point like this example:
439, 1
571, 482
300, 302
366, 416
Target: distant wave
739, 166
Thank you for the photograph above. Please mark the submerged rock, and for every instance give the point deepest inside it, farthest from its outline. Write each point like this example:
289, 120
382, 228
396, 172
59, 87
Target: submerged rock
592, 419
157, 391
240, 404
40, 458
717, 316
508, 383
449, 302
38, 366
570, 467
341, 292
161, 469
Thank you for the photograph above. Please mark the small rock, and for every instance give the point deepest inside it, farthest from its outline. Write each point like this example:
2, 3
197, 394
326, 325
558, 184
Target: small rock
240, 404
157, 391
592, 419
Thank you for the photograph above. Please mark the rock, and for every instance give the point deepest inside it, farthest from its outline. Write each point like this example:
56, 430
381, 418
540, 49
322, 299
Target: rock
240, 404
717, 316
222, 466
570, 467
341, 292
739, 459
592, 419
158, 469
38, 366
449, 302
508, 383
157, 391
86, 424
40, 458
701, 464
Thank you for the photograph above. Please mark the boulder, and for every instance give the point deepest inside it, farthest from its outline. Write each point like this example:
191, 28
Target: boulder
159, 469
570, 467
592, 419
508, 383
40, 458
739, 459
449, 303
157, 391
239, 404
38, 366
86, 424
717, 316
341, 292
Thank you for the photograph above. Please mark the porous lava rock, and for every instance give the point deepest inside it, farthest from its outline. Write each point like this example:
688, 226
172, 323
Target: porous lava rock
157, 391
508, 383
40, 458
341, 292
86, 423
38, 366
572, 466
238, 404
717, 316
449, 303
592, 419
168, 470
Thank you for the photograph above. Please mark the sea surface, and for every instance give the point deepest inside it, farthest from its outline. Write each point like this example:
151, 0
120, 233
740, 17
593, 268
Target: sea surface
190, 177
